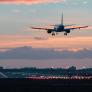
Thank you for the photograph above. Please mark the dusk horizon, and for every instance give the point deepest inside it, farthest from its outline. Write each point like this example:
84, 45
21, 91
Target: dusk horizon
22, 46
46, 57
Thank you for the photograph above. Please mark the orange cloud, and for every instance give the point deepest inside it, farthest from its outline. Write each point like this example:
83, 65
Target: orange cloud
11, 41
29, 1
70, 49
14, 36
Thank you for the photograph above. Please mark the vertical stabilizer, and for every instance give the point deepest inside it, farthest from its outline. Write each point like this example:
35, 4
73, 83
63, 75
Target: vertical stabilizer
62, 19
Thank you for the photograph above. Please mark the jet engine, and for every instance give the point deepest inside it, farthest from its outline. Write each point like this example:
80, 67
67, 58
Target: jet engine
49, 31
67, 30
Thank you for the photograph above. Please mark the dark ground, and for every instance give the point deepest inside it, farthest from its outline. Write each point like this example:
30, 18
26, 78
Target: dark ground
29, 85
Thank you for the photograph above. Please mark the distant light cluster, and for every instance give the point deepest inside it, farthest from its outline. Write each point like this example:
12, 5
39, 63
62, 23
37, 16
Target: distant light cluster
65, 78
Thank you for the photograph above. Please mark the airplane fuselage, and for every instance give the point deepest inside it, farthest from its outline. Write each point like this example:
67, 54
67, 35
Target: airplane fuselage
59, 28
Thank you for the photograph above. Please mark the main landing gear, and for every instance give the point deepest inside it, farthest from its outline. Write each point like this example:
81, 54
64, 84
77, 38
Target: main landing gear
53, 34
65, 34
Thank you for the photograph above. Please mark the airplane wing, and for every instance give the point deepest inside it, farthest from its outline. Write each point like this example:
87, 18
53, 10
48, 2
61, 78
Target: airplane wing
72, 28
40, 28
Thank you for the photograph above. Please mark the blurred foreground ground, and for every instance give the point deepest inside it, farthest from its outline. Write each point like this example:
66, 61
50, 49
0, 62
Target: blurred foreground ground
50, 85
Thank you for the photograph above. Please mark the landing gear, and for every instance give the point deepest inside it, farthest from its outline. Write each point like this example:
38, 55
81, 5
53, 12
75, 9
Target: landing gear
65, 34
53, 34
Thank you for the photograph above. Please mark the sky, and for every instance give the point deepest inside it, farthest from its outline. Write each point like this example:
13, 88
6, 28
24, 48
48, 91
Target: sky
16, 17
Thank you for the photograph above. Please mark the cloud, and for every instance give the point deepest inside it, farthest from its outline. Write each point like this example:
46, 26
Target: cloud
33, 53
40, 38
16, 11
11, 41
71, 49
29, 1
85, 2
78, 2
39, 57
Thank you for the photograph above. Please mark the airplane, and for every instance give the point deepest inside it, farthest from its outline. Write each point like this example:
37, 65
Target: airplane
60, 28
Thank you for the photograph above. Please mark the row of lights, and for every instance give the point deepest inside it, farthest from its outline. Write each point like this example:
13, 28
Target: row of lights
53, 77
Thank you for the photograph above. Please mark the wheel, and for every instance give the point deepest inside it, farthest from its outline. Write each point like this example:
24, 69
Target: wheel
65, 34
53, 34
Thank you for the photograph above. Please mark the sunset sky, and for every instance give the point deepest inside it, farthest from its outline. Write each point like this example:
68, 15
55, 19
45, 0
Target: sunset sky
16, 17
